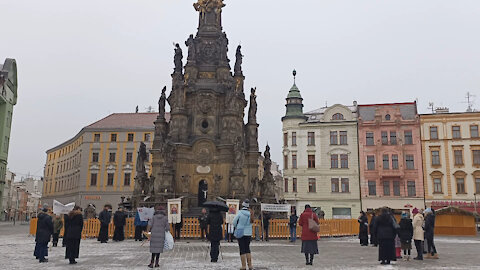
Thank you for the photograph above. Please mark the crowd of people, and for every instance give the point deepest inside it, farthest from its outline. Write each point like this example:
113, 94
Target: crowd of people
392, 238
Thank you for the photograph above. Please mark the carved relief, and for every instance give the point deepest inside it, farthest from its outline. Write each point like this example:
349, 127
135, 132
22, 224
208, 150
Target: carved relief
203, 152
218, 184
205, 102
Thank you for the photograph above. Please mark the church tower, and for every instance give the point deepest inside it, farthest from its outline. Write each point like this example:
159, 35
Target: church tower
205, 150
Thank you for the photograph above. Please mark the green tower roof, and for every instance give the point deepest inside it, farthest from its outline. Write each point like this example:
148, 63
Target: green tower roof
294, 92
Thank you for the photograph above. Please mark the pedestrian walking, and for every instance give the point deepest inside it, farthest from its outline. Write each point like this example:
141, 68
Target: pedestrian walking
140, 227
385, 234
371, 228
293, 226
266, 225
429, 233
104, 217
202, 219
158, 226
119, 220
57, 227
406, 233
230, 231
178, 229
74, 234
309, 235
418, 233
243, 233
43, 235
214, 223
363, 229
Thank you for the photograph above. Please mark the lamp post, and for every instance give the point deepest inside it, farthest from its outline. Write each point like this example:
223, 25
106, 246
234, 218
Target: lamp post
16, 208
475, 202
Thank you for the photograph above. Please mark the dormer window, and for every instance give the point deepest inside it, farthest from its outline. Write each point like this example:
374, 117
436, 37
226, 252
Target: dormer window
387, 117
338, 116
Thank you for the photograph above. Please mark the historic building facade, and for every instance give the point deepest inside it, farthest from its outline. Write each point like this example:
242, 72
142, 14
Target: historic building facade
206, 150
451, 159
98, 165
8, 98
320, 152
391, 172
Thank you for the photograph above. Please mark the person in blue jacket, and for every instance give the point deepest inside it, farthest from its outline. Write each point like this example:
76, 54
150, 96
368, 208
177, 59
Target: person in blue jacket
140, 227
243, 232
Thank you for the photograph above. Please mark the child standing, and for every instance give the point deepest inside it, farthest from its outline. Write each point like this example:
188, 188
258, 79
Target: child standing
405, 233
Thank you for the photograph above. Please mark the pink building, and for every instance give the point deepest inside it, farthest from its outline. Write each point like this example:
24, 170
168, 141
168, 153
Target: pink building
390, 155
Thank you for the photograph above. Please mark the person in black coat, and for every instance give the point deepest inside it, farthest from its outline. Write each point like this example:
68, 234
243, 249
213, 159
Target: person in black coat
405, 233
203, 224
292, 224
385, 233
43, 235
371, 227
266, 224
178, 229
74, 223
104, 217
119, 220
214, 222
363, 230
429, 233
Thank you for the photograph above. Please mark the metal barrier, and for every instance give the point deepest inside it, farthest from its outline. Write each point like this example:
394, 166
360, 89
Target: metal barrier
278, 228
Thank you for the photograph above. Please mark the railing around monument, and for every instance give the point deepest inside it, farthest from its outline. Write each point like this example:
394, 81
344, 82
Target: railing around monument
278, 229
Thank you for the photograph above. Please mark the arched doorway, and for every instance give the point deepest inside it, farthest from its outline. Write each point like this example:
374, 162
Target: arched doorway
202, 192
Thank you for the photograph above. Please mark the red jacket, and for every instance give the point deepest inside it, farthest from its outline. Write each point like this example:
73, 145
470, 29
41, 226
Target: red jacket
303, 221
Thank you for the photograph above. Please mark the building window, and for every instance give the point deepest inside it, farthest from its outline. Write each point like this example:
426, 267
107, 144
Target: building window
311, 161
333, 137
286, 185
129, 157
386, 188
408, 137
94, 157
384, 137
285, 162
311, 138
126, 179
370, 138
411, 189
410, 162
338, 116
113, 137
437, 185
344, 161
370, 163
345, 185
130, 137
96, 137
458, 157
294, 184
294, 161
146, 137
395, 162
294, 138
372, 188
110, 179
460, 185
93, 179
456, 132
111, 157
387, 117
476, 157
334, 161
474, 131
386, 162
433, 133
477, 185
335, 185
396, 188
285, 139
343, 138
393, 137
435, 158
312, 185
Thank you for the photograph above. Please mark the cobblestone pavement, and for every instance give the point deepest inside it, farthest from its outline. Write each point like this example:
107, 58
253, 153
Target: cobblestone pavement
16, 252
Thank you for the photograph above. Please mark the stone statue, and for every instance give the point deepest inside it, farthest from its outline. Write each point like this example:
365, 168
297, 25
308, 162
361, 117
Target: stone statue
177, 59
201, 6
141, 158
267, 162
254, 187
190, 43
238, 63
161, 103
223, 44
218, 182
185, 183
238, 152
252, 110
202, 192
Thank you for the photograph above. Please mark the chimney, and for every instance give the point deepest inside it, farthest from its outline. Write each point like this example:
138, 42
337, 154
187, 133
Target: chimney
442, 110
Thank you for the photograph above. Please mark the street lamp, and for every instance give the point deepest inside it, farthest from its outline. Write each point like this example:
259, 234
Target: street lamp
475, 202
16, 208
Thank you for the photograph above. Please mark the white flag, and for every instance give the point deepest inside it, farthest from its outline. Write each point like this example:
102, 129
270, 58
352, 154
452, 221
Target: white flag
59, 208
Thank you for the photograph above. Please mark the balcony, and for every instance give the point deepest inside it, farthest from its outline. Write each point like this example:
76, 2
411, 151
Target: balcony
391, 173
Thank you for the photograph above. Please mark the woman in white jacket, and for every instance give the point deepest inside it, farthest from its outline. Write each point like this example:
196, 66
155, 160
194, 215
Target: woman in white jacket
418, 232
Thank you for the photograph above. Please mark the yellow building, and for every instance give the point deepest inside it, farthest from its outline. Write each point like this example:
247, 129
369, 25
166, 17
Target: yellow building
98, 165
451, 159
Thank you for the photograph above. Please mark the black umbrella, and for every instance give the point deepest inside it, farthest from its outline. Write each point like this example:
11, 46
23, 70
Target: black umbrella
216, 205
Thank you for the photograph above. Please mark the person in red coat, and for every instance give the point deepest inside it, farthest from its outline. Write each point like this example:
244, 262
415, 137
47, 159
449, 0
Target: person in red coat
309, 238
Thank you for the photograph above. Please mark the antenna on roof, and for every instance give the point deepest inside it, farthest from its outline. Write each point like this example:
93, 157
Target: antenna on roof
470, 101
431, 106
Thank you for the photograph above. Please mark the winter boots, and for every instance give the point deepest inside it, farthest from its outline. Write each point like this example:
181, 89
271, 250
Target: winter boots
243, 258
249, 261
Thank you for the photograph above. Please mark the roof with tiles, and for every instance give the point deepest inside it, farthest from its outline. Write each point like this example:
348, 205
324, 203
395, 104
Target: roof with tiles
127, 121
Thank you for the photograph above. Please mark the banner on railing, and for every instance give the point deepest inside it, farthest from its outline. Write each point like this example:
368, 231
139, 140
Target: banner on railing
59, 208
174, 211
265, 207
233, 207
145, 213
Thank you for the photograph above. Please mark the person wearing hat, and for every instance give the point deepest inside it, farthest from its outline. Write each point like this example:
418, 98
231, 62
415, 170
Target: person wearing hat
309, 237
119, 220
57, 227
43, 235
158, 226
429, 233
363, 229
243, 232
74, 227
406, 233
104, 217
418, 233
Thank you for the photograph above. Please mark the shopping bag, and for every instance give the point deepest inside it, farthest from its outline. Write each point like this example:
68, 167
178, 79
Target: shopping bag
168, 245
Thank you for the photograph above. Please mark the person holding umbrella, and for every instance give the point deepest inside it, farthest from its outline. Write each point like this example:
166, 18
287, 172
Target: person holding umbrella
214, 223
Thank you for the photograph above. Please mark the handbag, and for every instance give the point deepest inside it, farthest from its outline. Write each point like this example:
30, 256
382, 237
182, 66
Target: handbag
239, 232
312, 225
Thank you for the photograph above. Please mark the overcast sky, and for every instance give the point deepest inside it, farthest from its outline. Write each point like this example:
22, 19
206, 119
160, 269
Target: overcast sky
79, 61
